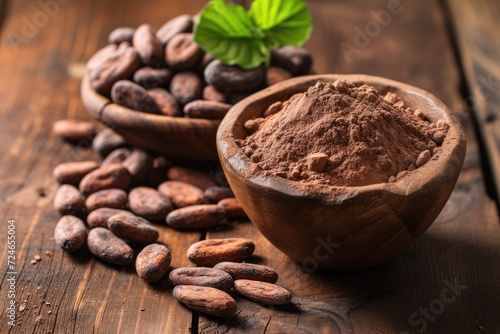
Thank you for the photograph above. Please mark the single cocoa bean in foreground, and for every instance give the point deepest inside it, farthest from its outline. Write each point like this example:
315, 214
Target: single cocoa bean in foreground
182, 194
186, 87
263, 292
133, 228
74, 130
212, 251
177, 25
205, 299
148, 45
206, 109
122, 34
130, 95
108, 247
73, 172
107, 198
99, 217
166, 102
248, 271
233, 208
152, 262
216, 194
191, 176
112, 176
106, 141
70, 233
228, 78
182, 52
201, 276
151, 78
149, 203
196, 216
68, 200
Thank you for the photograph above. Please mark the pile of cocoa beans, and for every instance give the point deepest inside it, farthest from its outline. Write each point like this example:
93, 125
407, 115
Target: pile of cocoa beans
165, 72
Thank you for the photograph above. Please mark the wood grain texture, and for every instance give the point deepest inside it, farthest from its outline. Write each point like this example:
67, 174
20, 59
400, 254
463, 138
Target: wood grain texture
475, 26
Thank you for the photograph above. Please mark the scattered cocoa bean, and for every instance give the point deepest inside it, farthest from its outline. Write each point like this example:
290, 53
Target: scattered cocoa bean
233, 208
108, 247
108, 140
182, 194
186, 87
206, 109
70, 233
182, 52
150, 78
166, 102
229, 78
122, 34
295, 60
177, 25
201, 276
138, 164
73, 172
205, 299
196, 216
148, 45
107, 198
248, 271
263, 292
152, 262
217, 194
191, 176
210, 93
74, 130
68, 200
112, 176
99, 217
135, 229
276, 74
116, 157
149, 203
130, 95
212, 251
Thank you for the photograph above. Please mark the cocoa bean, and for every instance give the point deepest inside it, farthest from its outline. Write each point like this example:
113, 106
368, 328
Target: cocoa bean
108, 247
179, 24
106, 141
206, 109
210, 93
116, 157
263, 292
295, 60
186, 87
276, 74
107, 198
152, 262
150, 78
149, 203
122, 34
68, 200
230, 78
112, 176
130, 95
205, 299
191, 176
212, 251
233, 208
166, 102
70, 233
196, 216
73, 172
135, 229
148, 45
217, 194
249, 271
74, 130
182, 52
201, 276
138, 164
182, 194
99, 217
113, 64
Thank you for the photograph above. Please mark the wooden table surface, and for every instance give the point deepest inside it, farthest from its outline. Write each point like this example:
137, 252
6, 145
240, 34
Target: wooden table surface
447, 282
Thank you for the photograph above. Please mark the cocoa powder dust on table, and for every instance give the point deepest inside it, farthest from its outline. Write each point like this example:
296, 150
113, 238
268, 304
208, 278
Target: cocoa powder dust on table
338, 134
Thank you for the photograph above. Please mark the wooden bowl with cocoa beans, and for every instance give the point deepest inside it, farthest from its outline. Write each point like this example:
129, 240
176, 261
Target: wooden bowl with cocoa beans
313, 173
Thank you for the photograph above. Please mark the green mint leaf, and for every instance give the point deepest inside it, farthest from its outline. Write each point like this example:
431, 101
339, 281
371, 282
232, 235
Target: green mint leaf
284, 22
227, 32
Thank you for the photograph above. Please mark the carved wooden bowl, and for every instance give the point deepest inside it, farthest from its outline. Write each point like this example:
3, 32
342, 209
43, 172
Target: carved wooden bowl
346, 228
183, 139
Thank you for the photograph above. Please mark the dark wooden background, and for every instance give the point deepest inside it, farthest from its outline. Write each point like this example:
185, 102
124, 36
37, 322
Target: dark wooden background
451, 49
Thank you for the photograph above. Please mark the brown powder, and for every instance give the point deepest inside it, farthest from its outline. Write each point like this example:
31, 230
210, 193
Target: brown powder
340, 135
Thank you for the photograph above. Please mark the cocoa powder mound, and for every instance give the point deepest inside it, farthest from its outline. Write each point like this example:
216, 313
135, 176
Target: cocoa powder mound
338, 134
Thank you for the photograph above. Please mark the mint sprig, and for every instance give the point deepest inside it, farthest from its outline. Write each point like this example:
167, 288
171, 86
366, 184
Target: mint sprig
237, 37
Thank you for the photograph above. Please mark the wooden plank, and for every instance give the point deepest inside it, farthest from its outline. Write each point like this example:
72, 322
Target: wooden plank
394, 297
71, 293
475, 25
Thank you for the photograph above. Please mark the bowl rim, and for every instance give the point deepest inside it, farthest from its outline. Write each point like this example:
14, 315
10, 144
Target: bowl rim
230, 154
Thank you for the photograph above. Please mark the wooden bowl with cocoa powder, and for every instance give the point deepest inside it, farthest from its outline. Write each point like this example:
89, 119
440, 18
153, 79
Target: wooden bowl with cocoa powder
342, 227
183, 139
